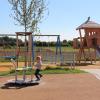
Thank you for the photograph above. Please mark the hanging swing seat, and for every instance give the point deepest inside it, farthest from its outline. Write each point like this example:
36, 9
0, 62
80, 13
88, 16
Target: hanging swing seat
9, 57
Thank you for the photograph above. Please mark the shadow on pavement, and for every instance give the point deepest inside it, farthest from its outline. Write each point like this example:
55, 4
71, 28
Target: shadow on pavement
17, 86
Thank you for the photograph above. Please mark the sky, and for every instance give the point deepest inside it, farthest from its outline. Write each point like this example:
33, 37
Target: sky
63, 19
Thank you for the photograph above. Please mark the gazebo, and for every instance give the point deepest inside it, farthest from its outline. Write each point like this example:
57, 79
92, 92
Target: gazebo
91, 38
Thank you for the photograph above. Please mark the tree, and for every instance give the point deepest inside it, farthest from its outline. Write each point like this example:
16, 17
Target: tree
64, 42
28, 13
7, 41
69, 43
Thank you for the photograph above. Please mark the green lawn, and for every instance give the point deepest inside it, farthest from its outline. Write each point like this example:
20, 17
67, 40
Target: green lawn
64, 49
62, 71
58, 70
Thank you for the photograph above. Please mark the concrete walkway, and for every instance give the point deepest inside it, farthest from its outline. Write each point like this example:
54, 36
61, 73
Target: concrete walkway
95, 72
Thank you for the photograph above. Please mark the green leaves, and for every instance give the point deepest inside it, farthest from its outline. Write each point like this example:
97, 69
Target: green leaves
28, 13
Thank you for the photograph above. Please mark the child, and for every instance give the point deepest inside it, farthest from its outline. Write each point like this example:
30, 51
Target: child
38, 68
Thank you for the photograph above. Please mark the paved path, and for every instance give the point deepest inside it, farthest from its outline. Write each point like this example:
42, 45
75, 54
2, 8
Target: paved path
54, 87
95, 72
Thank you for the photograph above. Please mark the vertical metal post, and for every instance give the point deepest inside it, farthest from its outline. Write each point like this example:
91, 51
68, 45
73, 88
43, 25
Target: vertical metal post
17, 51
33, 49
58, 47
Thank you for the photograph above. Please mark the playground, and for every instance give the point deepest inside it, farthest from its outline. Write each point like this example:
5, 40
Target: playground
48, 51
18, 53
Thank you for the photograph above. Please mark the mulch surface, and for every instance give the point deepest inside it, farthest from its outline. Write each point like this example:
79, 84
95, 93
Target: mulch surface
54, 87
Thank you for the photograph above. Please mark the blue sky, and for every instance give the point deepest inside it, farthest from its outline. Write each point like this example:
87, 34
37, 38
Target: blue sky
64, 16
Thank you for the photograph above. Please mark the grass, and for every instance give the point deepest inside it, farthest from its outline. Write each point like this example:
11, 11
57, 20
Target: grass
57, 70
5, 73
62, 71
63, 48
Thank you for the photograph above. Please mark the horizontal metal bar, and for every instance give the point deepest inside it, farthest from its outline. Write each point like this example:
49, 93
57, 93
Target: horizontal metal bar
45, 35
32, 35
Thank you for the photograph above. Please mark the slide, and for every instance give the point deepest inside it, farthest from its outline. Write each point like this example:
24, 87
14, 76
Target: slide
98, 51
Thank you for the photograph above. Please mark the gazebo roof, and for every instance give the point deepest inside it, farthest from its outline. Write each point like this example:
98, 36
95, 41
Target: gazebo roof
88, 24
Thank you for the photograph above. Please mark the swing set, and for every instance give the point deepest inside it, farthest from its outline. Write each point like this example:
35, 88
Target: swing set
27, 54
45, 50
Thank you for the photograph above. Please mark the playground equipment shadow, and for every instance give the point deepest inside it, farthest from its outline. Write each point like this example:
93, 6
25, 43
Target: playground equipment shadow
17, 86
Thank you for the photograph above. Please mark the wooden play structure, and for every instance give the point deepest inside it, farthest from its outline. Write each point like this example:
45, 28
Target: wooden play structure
89, 44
